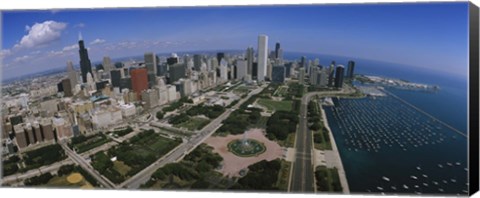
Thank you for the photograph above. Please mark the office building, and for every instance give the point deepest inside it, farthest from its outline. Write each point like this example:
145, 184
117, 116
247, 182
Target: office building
85, 65
241, 66
301, 75
107, 64
288, 69
20, 136
331, 72
151, 66
339, 74
72, 74
278, 74
67, 87
220, 56
115, 77
139, 78
197, 62
150, 97
350, 68
47, 130
172, 60
176, 72
125, 83
249, 57
262, 57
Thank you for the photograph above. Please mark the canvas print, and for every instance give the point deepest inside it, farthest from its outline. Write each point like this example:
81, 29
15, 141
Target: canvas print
340, 99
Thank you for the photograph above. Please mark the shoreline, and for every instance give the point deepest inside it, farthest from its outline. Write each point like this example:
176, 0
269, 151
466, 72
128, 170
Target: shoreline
341, 170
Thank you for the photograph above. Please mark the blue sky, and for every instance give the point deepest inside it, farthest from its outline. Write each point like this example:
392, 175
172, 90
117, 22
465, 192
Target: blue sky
429, 35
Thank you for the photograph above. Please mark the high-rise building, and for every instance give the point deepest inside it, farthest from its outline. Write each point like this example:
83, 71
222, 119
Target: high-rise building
20, 136
107, 64
172, 60
139, 79
67, 87
161, 69
262, 57
72, 74
331, 74
278, 74
150, 62
220, 56
277, 50
339, 73
126, 83
350, 68
197, 62
176, 72
288, 69
249, 56
150, 97
301, 75
303, 63
85, 65
115, 76
241, 66
47, 130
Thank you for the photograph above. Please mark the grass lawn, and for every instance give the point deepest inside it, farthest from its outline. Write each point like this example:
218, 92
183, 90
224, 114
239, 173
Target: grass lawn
323, 143
281, 91
121, 167
327, 179
91, 142
275, 105
284, 175
194, 123
61, 181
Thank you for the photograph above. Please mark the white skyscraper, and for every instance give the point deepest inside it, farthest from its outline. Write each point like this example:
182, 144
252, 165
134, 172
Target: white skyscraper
262, 57
107, 64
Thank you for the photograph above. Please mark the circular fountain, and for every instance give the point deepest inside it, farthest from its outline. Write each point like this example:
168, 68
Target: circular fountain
246, 147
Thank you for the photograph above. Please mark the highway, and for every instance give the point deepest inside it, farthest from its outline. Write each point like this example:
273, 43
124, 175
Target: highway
302, 178
178, 153
87, 167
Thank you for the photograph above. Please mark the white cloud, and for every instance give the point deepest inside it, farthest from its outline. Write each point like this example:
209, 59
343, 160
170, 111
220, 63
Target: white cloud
22, 59
27, 28
70, 47
4, 53
66, 50
79, 25
97, 41
41, 34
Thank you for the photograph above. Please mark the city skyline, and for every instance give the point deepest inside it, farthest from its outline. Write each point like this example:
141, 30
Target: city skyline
50, 38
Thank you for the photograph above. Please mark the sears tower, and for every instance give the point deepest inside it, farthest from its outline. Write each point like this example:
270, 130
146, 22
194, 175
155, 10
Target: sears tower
85, 65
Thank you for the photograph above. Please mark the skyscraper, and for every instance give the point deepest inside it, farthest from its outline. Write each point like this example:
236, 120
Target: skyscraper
115, 76
241, 69
277, 50
85, 65
339, 73
197, 62
350, 68
176, 72
278, 74
67, 87
331, 72
72, 74
139, 79
262, 57
150, 63
249, 56
220, 56
107, 64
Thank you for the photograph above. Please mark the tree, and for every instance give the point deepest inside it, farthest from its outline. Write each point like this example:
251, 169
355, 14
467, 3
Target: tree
160, 115
315, 126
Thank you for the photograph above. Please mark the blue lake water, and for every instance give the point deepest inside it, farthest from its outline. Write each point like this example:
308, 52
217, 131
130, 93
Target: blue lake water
387, 146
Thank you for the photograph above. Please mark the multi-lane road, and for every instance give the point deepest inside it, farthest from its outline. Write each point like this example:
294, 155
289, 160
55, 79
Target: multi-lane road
302, 178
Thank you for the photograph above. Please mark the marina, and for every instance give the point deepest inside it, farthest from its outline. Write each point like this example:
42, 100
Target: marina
401, 148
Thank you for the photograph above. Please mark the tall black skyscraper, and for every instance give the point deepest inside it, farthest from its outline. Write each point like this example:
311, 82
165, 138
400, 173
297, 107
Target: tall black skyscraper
277, 49
339, 73
220, 56
350, 68
85, 65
